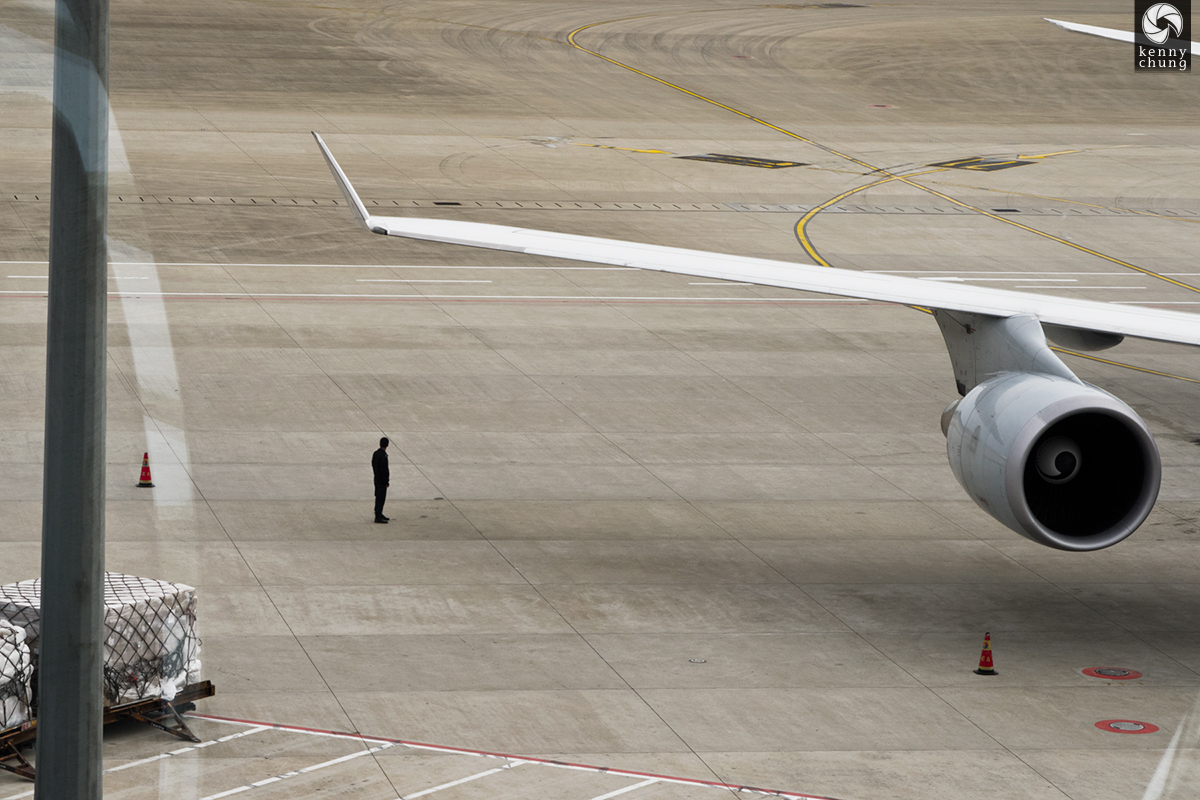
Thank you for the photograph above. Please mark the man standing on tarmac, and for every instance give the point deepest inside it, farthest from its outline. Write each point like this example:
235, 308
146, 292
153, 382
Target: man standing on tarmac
380, 466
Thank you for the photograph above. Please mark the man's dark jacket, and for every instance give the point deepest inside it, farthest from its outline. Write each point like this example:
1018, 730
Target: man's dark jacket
380, 465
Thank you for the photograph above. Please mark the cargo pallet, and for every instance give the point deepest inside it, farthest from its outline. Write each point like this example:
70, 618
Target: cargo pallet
155, 711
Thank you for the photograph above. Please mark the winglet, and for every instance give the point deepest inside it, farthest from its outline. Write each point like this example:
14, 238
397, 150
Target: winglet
343, 183
1092, 30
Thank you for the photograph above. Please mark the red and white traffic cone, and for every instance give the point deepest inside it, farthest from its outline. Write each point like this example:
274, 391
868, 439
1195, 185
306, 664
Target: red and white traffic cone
986, 667
144, 482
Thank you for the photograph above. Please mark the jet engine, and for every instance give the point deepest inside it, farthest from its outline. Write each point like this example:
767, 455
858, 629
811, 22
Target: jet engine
1060, 462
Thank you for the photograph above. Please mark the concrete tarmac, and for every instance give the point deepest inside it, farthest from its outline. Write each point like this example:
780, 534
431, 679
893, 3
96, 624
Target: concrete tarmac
640, 521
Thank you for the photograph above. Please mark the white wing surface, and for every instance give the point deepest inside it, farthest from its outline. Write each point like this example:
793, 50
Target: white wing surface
1107, 33
1145, 323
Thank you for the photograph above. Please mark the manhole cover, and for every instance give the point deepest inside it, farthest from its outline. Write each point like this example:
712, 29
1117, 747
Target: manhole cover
1112, 673
1126, 726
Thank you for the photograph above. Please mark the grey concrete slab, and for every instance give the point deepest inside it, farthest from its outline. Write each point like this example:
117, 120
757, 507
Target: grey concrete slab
1066, 717
816, 719
654, 563
607, 720
974, 774
726, 448
264, 664
513, 448
234, 481
199, 563
1043, 660
1117, 773
879, 608
731, 482
234, 610
340, 520
763, 608
551, 482
875, 561
1141, 561
367, 610
375, 563
416, 663
832, 520
589, 519
1143, 607
494, 417
769, 660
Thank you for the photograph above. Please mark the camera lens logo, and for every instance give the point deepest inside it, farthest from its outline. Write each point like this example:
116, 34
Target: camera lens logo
1162, 21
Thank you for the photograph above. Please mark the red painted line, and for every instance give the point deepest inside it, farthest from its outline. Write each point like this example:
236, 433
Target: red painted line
488, 754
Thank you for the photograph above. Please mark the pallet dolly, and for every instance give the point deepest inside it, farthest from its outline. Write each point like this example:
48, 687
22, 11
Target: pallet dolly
155, 712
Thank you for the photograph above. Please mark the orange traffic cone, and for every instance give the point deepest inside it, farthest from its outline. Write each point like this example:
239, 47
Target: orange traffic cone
985, 658
144, 481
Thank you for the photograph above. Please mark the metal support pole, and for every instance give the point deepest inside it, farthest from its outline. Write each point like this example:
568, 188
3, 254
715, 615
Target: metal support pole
71, 648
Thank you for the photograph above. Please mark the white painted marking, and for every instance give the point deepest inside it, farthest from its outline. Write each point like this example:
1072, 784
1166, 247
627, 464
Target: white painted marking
511, 761
717, 283
1073, 288
403, 280
305, 770
626, 789
461, 781
182, 750
964, 280
161, 756
1012, 272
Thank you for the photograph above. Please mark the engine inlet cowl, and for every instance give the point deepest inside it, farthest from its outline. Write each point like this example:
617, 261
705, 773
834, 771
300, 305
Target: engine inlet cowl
1062, 463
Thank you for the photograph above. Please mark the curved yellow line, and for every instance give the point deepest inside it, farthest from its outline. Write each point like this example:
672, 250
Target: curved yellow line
889, 176
802, 223
571, 41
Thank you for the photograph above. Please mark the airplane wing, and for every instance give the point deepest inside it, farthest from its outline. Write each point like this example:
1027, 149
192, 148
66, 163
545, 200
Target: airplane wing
1025, 423
1086, 315
1107, 33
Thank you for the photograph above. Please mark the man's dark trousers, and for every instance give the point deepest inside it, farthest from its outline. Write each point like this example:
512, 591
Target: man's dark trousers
380, 497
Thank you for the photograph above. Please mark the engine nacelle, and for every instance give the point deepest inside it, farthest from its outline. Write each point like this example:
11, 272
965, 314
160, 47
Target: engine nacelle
1062, 463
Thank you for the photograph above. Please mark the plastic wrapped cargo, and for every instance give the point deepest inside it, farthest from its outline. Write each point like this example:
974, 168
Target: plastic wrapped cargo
16, 672
150, 645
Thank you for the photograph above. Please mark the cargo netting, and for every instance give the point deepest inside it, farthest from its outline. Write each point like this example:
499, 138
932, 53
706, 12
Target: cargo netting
16, 673
150, 647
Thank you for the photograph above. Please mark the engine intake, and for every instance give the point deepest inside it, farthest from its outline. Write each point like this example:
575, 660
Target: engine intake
1062, 463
